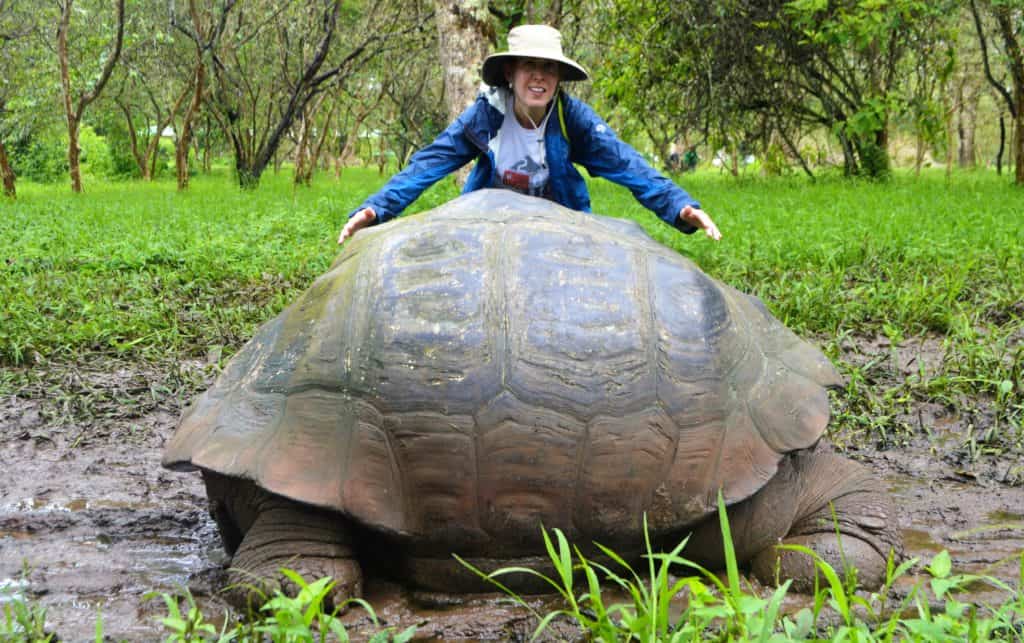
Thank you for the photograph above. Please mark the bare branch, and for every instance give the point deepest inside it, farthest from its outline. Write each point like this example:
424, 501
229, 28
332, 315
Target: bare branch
983, 41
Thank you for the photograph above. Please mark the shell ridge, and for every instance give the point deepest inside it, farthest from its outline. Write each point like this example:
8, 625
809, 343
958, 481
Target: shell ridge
739, 312
649, 331
360, 302
582, 455
374, 283
496, 242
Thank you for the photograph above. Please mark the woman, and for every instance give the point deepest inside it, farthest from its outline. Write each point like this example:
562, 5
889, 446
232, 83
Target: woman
525, 135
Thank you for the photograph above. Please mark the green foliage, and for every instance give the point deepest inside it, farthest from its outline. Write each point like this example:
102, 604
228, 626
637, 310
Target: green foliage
958, 621
280, 619
704, 607
874, 160
21, 620
43, 159
120, 162
95, 156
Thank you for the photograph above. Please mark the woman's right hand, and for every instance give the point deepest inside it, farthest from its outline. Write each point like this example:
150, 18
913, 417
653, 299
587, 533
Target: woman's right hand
356, 222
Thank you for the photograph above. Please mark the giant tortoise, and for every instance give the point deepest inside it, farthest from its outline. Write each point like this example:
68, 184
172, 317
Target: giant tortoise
460, 378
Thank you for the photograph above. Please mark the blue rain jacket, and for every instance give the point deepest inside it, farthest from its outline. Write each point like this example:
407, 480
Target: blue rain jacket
591, 143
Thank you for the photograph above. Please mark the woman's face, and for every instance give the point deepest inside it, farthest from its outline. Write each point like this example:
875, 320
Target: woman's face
534, 81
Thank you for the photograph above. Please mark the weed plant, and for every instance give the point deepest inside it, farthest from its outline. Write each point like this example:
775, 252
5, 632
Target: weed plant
302, 618
704, 607
21, 620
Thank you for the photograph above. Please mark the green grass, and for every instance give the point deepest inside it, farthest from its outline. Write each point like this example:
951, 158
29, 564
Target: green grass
704, 607
141, 271
126, 265
279, 618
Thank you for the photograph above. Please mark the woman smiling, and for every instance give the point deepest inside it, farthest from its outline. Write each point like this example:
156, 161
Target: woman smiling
525, 134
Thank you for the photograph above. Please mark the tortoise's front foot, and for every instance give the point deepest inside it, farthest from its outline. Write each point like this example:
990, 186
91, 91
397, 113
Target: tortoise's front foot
844, 515
843, 554
288, 535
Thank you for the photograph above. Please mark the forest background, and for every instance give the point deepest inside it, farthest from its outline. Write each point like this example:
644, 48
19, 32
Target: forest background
140, 88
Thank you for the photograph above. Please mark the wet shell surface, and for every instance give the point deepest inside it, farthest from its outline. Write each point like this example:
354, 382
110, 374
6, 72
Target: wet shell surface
501, 361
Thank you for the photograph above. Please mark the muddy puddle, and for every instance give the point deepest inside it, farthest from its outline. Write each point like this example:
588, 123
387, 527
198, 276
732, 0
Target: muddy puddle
90, 523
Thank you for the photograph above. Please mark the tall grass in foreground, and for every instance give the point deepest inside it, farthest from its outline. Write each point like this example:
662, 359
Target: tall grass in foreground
302, 618
703, 607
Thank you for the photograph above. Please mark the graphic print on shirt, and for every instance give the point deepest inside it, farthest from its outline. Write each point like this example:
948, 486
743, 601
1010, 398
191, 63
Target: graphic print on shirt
521, 157
527, 176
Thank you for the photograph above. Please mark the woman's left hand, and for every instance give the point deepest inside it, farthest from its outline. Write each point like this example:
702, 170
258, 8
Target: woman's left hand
699, 219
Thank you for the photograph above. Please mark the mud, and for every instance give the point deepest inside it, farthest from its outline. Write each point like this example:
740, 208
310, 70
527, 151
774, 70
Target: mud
90, 524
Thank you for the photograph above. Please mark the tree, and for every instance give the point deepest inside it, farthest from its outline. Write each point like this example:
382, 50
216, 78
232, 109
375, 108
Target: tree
762, 70
268, 62
17, 50
464, 36
151, 85
413, 110
9, 32
1008, 16
681, 72
846, 59
76, 100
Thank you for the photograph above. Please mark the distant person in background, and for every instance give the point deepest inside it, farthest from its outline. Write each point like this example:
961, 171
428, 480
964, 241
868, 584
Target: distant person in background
525, 135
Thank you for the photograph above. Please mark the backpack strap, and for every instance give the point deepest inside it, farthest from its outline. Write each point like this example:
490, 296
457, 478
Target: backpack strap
561, 121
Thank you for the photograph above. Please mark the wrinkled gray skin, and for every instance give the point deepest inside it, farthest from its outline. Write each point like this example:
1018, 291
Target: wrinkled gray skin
460, 378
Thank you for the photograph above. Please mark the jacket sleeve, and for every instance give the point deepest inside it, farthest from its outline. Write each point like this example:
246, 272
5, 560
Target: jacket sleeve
448, 152
595, 146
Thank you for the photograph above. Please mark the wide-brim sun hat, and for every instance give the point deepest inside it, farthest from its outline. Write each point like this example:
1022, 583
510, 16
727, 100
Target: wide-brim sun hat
532, 41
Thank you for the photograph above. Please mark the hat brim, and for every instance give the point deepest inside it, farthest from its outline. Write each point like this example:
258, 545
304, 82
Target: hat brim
493, 71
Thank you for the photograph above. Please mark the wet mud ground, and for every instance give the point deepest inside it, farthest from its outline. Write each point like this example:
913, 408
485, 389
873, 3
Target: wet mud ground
90, 523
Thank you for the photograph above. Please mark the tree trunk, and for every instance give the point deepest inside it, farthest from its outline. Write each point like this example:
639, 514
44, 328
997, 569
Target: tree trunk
918, 152
950, 140
141, 161
69, 112
305, 160
181, 145
1002, 145
1018, 136
849, 157
6, 173
74, 157
73, 112
322, 139
207, 144
464, 35
300, 176
967, 125
463, 39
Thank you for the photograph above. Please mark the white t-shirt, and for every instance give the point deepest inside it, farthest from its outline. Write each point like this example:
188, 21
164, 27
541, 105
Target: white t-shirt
520, 156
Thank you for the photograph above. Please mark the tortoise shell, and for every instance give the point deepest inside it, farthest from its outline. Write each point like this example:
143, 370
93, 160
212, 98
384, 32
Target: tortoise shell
501, 361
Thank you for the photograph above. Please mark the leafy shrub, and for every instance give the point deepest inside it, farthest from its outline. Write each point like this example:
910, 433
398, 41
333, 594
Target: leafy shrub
95, 154
119, 150
39, 159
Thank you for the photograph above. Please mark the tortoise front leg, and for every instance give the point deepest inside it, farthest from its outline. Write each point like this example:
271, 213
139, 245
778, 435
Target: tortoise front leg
280, 533
795, 508
835, 494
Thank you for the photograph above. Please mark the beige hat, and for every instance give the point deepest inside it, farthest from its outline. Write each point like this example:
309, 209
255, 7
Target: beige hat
532, 41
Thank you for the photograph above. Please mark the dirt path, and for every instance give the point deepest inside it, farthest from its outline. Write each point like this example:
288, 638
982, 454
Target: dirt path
89, 522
